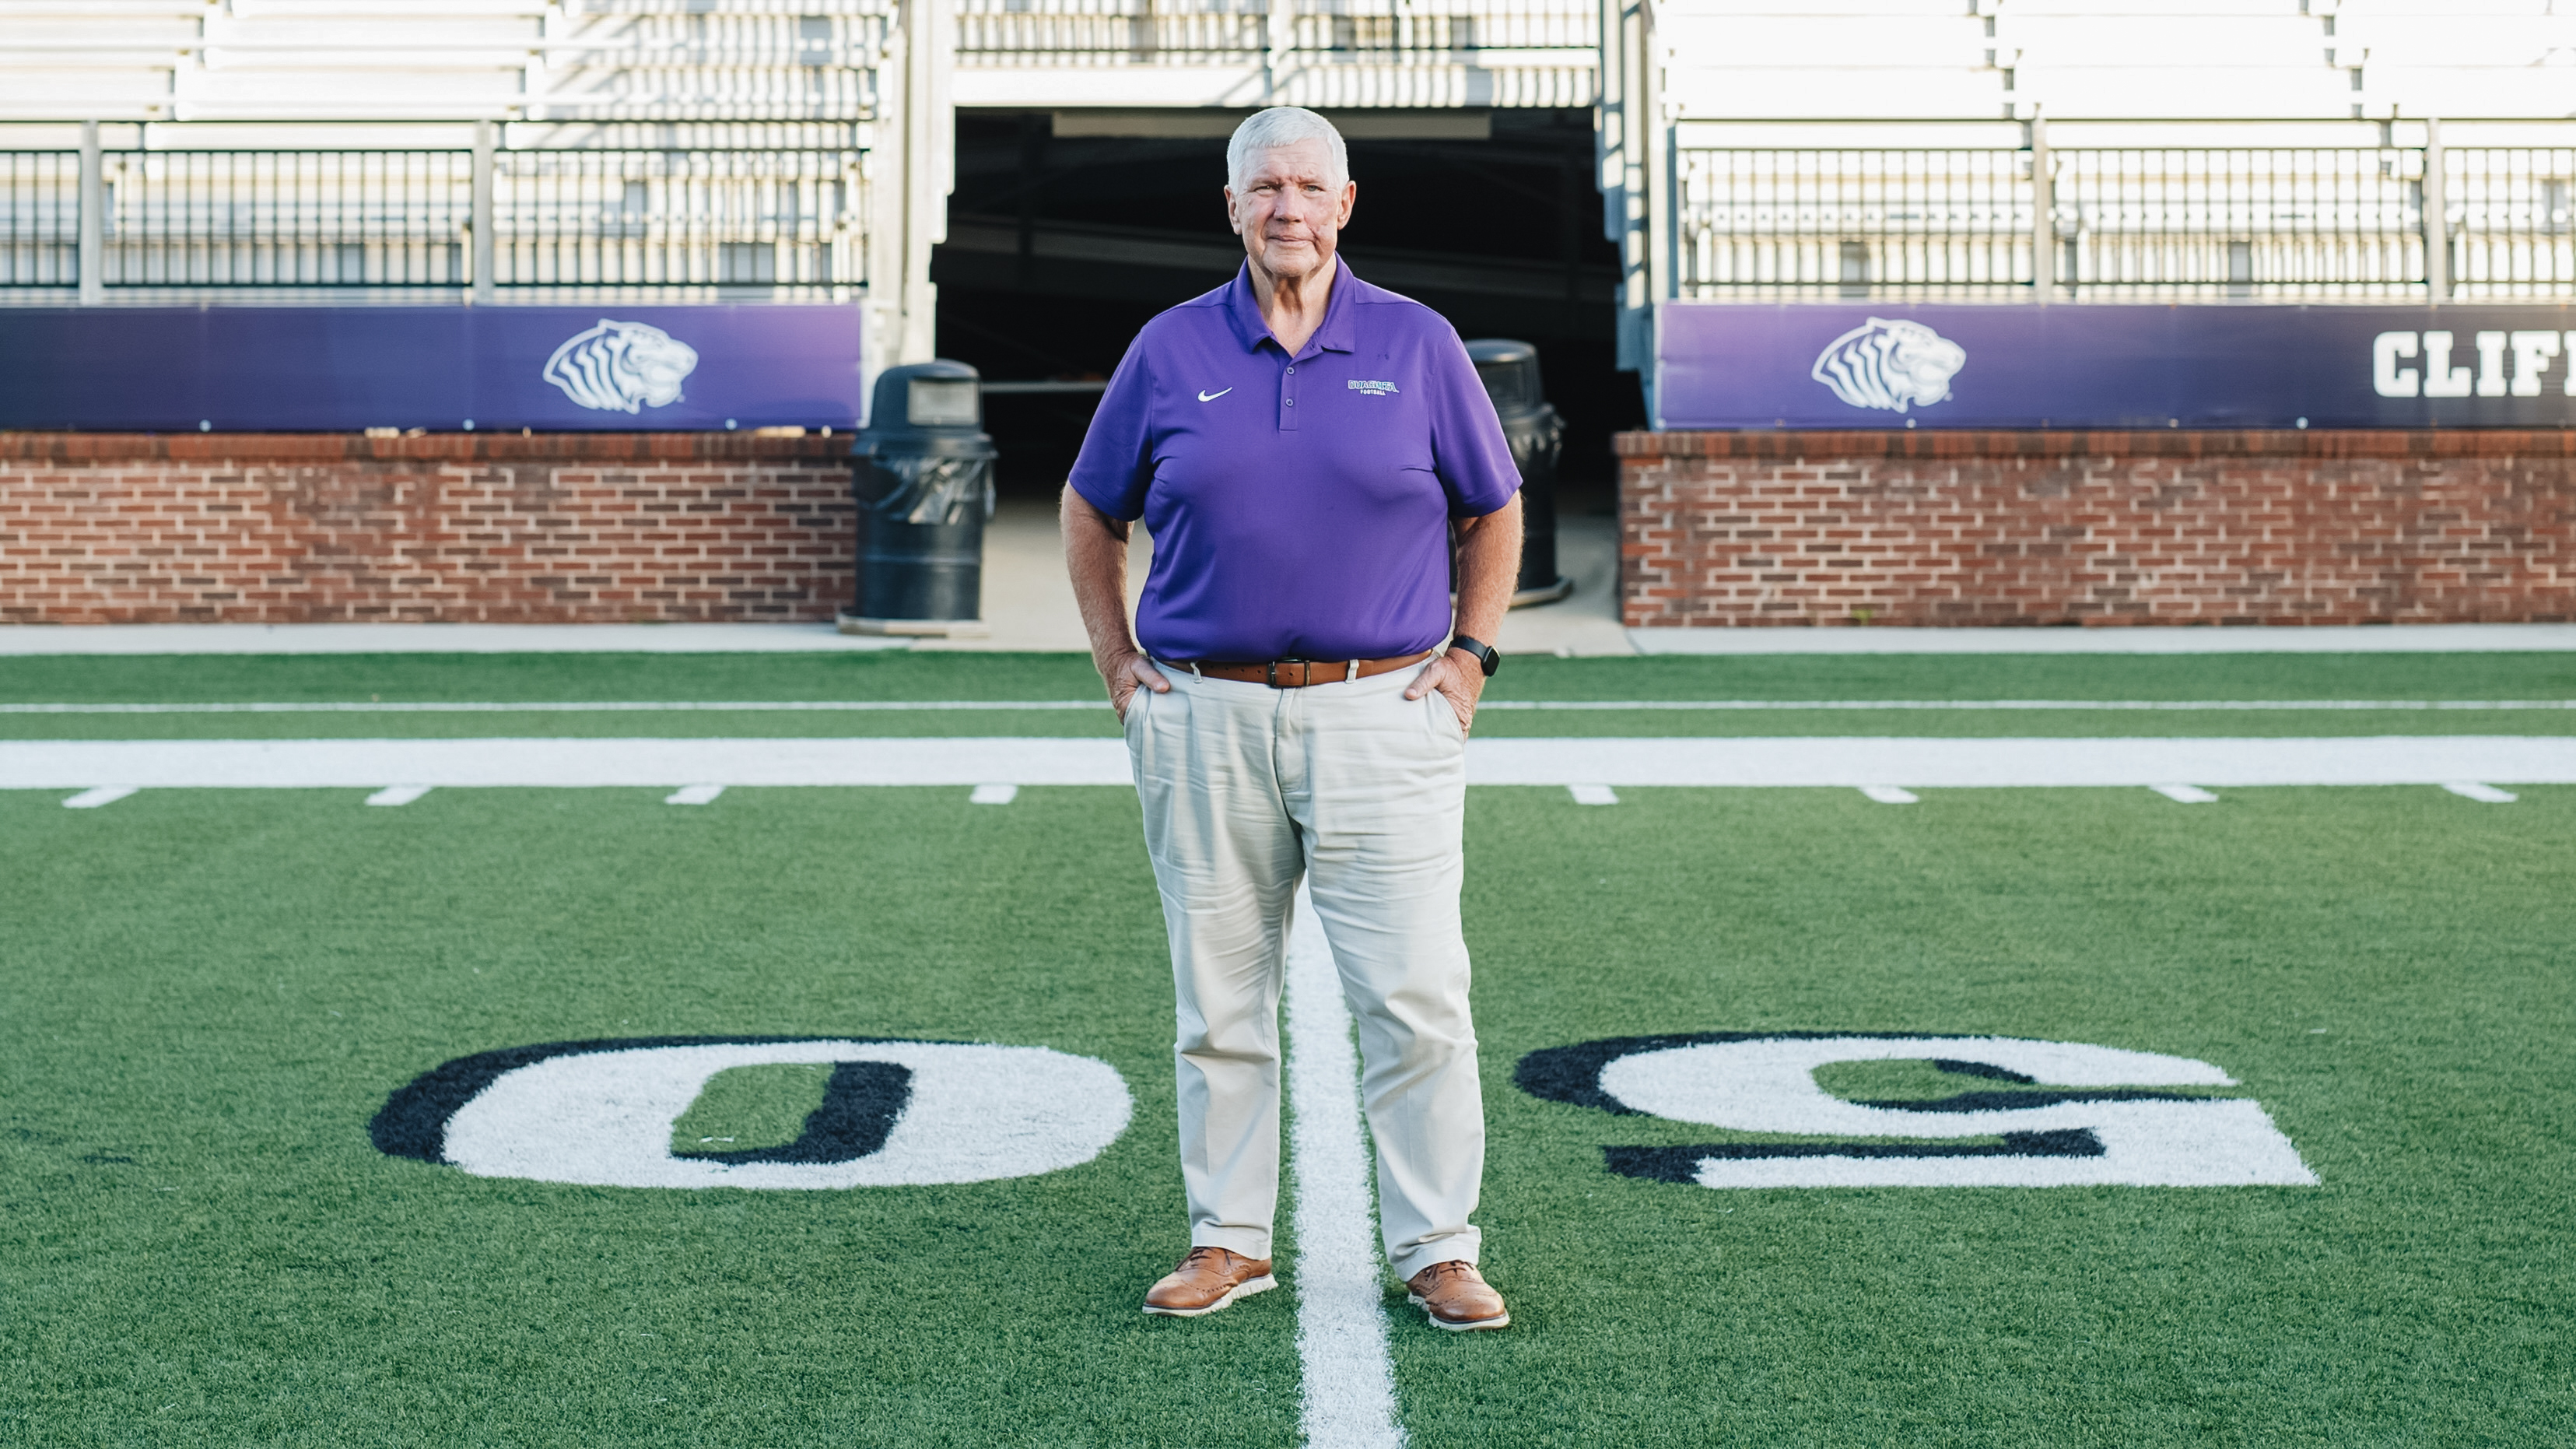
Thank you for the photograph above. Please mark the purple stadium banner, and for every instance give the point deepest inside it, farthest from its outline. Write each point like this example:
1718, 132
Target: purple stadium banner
339, 369
2249, 365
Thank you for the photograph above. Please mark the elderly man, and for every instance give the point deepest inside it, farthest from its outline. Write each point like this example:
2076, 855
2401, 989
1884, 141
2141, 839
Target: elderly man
1301, 444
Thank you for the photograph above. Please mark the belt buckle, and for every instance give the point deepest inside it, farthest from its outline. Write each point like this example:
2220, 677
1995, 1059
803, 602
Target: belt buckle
1273, 667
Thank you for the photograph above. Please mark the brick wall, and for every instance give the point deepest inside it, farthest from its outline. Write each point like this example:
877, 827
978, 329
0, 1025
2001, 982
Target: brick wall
2097, 528
453, 528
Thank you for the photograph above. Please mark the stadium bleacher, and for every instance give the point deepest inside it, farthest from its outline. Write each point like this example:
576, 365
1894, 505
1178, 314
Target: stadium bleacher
516, 59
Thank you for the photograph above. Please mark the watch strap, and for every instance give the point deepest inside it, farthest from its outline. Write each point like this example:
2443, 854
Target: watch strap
1486, 655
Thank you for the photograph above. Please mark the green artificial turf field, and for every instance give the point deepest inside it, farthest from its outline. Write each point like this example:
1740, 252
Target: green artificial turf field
206, 996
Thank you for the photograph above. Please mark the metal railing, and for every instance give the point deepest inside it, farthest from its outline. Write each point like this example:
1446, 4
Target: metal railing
285, 218
2307, 223
404, 220
2517, 234
677, 218
1846, 222
39, 218
1399, 26
2270, 223
1050, 32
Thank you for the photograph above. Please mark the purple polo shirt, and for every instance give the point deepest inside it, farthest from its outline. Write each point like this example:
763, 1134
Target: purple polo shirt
1300, 506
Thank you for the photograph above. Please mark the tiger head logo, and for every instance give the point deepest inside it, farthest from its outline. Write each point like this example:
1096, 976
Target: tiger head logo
622, 367
1891, 365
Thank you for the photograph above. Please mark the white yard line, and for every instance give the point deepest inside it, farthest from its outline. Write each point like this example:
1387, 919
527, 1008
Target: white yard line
102, 795
2185, 794
1338, 1272
573, 706
802, 638
951, 706
1844, 762
1973, 706
993, 795
1593, 794
694, 795
397, 794
434, 639
2297, 639
2484, 794
1890, 795
1860, 761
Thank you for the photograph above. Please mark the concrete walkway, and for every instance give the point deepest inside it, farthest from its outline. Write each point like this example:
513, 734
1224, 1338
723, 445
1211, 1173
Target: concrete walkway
1029, 601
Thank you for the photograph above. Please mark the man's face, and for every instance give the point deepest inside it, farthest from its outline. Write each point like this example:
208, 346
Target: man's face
1289, 213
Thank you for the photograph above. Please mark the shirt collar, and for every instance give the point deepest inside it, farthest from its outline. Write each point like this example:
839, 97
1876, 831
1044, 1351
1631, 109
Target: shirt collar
1332, 335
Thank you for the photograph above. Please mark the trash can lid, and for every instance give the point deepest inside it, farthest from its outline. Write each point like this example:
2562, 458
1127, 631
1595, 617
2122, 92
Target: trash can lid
1509, 370
927, 397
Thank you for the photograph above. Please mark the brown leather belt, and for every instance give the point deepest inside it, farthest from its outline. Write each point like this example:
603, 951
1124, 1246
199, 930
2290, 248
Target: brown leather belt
1295, 673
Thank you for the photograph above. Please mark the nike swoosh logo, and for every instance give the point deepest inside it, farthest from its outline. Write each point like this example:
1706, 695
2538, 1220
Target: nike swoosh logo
1213, 396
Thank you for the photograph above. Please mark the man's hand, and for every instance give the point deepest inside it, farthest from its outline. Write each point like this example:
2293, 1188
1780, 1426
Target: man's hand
1095, 554
1460, 678
1129, 673
1489, 558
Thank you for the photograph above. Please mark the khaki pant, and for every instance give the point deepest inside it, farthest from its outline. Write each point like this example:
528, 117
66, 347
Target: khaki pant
1246, 787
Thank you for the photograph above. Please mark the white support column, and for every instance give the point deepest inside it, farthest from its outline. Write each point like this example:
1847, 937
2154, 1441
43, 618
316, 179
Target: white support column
931, 164
1656, 198
486, 141
886, 202
93, 217
2437, 217
1633, 152
1279, 47
1610, 121
2043, 214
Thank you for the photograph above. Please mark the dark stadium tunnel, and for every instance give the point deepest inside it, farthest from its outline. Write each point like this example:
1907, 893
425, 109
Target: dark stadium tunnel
1060, 245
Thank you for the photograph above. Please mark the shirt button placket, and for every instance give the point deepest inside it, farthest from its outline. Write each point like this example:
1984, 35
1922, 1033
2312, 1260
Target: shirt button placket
1288, 400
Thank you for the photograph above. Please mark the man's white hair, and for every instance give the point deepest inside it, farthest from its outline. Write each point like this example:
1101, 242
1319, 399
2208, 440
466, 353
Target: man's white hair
1282, 126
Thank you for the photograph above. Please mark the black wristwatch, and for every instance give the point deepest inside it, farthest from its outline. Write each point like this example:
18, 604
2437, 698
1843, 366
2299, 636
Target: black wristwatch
1486, 654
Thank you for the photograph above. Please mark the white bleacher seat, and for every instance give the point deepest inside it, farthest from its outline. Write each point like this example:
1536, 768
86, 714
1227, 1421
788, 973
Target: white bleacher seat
1835, 13
1775, 92
92, 59
496, 42
1744, 42
2477, 42
1775, 59
2194, 12
2144, 92
2279, 40
2461, 91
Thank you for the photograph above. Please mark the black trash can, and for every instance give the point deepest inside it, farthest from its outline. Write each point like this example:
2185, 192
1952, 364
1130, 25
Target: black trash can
923, 474
1510, 373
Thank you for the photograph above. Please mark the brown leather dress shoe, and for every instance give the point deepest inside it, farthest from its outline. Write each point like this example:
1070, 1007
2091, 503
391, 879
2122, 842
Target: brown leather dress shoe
1207, 1280
1457, 1297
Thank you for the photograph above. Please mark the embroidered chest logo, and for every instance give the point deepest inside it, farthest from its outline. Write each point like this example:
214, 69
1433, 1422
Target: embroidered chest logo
1206, 396
1373, 389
